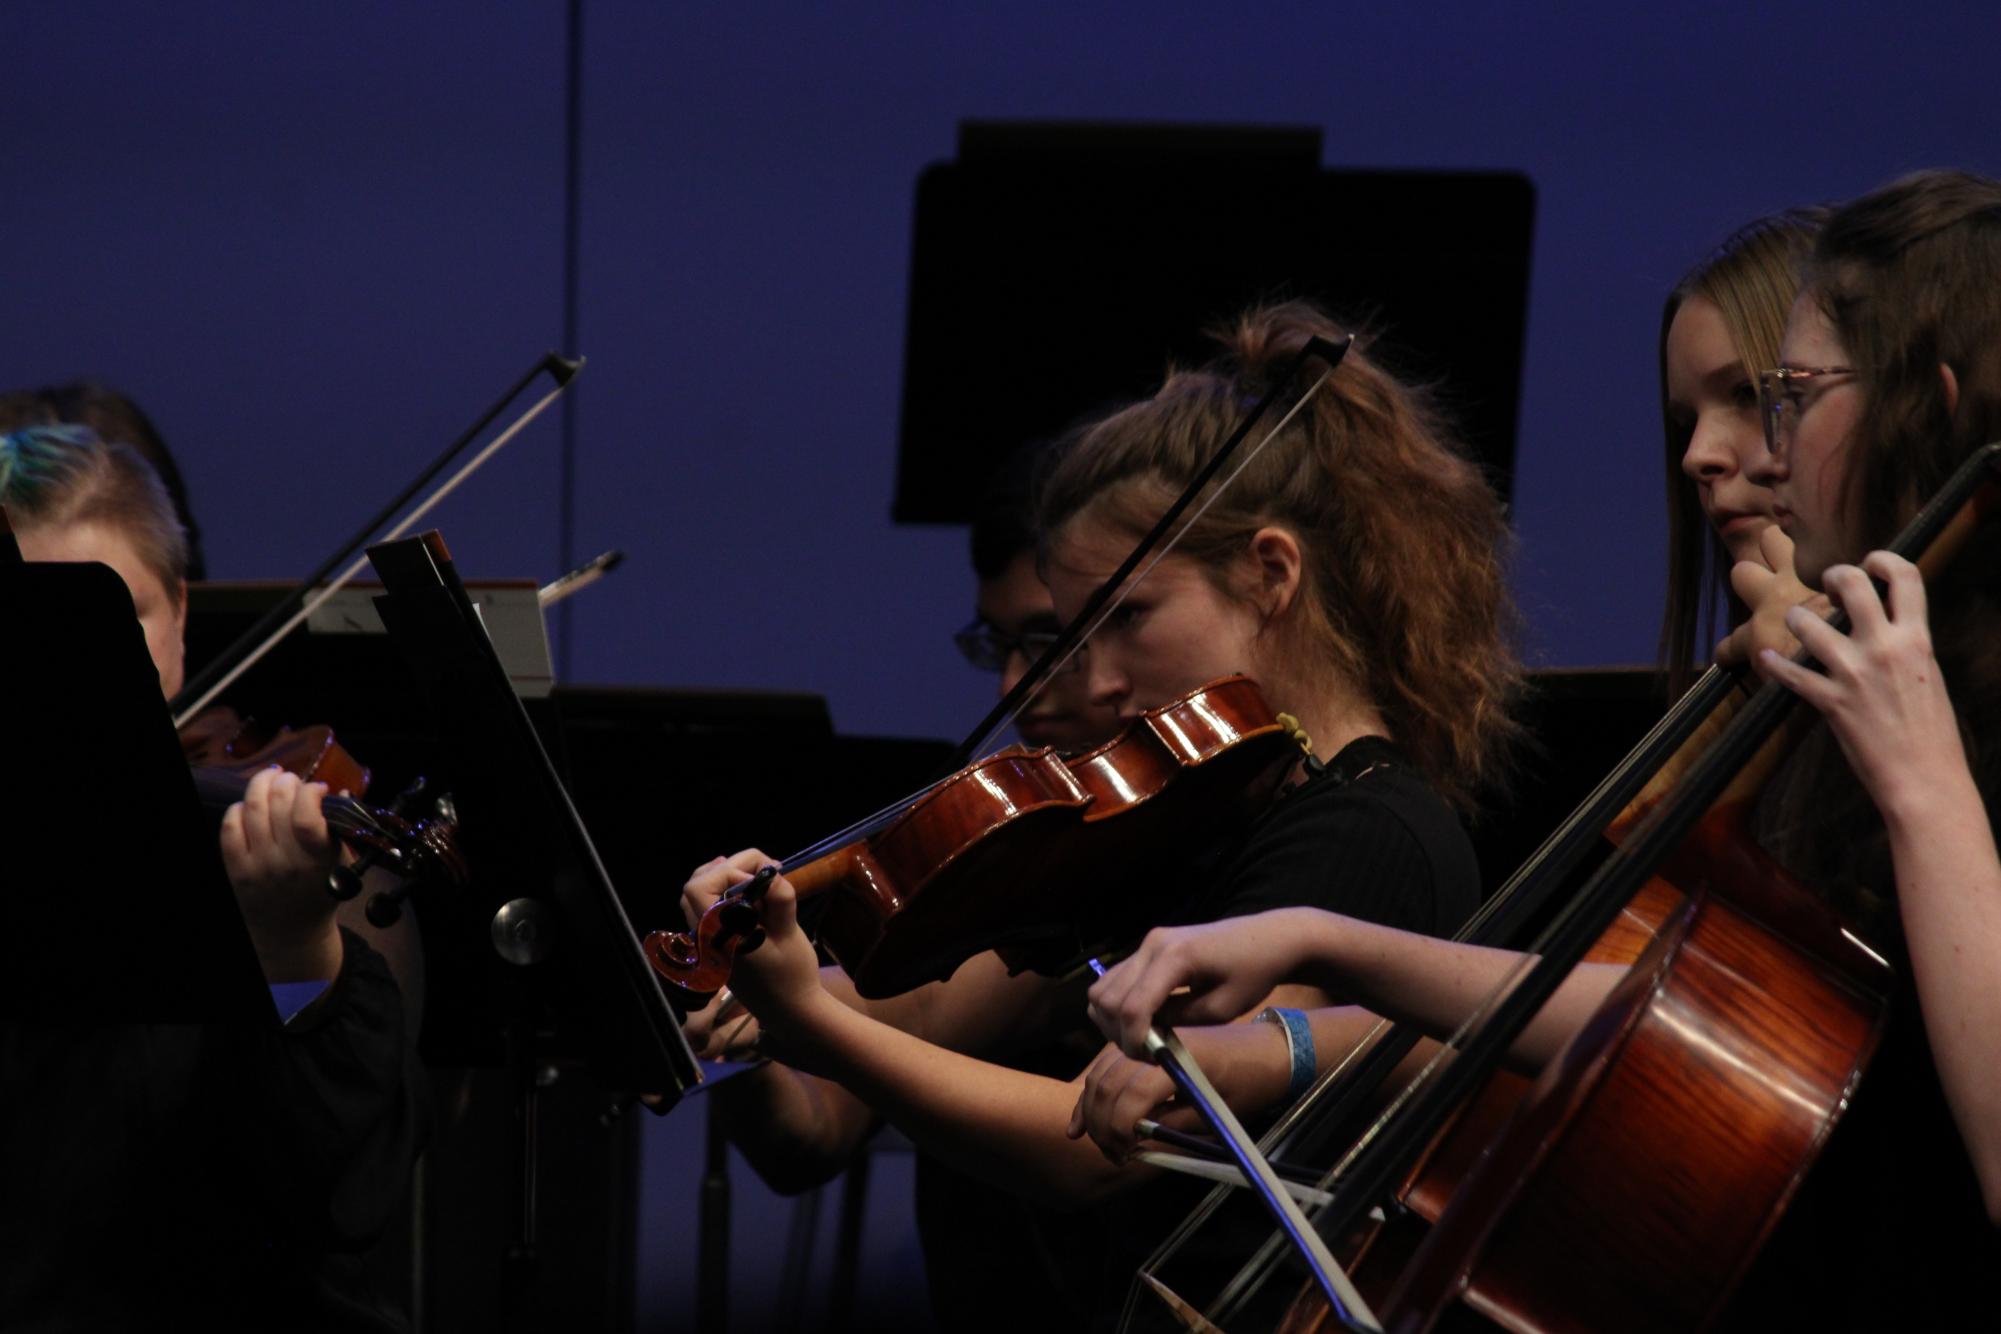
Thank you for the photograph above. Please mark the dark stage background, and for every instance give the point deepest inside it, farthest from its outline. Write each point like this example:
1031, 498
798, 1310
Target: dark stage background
313, 241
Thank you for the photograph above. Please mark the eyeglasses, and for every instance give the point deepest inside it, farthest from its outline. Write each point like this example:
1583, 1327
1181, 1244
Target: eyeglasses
1782, 397
988, 648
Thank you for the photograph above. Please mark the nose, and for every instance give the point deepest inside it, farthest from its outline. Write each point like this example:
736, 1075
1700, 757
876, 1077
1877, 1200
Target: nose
1013, 669
1710, 456
1105, 681
1766, 467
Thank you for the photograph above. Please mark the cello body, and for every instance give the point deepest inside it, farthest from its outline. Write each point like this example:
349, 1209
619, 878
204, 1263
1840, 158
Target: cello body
1646, 1166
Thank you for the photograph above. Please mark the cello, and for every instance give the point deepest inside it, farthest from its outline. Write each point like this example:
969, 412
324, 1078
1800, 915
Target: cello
1653, 1157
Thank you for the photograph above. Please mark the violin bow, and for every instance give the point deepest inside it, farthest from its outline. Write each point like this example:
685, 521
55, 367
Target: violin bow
1194, 1086
317, 587
1105, 599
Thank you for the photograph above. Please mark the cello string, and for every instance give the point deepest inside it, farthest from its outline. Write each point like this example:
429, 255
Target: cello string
1930, 537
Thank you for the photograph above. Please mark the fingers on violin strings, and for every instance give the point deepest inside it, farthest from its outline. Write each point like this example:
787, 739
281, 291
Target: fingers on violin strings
235, 847
307, 821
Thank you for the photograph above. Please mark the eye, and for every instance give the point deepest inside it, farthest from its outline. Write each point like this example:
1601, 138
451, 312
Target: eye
1126, 615
1744, 396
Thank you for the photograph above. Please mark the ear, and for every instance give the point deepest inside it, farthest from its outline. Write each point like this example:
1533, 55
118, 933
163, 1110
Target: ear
1950, 382
1278, 567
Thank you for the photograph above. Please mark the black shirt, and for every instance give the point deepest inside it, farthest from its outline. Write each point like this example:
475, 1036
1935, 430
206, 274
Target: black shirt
1366, 837
207, 1176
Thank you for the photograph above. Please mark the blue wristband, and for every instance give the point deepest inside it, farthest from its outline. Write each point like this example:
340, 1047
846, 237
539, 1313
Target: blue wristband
1299, 1042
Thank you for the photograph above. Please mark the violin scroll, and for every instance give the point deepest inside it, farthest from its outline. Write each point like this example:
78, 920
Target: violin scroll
698, 962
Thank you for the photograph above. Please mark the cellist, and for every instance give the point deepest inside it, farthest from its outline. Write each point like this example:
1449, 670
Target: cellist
1355, 570
1889, 376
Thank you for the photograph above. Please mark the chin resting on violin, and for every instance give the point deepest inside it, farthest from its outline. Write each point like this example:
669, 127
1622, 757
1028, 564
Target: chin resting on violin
202, 1174
1265, 582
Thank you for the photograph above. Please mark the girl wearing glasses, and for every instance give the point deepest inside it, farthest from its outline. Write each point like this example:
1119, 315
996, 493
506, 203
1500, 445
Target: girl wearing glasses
1720, 328
1890, 376
1354, 569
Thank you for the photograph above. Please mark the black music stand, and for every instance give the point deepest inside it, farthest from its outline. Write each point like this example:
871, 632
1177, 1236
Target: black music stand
136, 926
539, 945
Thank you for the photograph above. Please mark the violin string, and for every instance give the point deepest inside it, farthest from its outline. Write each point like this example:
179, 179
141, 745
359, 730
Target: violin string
341, 580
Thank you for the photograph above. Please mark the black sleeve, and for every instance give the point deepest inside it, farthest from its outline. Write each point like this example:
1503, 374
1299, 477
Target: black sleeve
340, 1112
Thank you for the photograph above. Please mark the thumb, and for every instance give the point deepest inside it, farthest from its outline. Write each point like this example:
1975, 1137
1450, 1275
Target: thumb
781, 907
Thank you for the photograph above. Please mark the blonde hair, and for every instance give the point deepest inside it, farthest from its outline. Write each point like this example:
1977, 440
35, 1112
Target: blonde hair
1402, 539
1751, 278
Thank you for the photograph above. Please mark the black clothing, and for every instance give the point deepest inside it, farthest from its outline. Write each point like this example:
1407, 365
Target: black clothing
201, 1176
1366, 837
1888, 1231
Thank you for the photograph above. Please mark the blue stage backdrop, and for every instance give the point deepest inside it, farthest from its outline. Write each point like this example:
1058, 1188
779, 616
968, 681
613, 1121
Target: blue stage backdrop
314, 240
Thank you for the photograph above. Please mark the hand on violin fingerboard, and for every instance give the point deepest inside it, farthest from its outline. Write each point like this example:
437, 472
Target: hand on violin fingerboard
277, 850
779, 978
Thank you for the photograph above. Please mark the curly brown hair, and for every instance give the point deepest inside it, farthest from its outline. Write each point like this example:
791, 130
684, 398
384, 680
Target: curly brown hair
1403, 539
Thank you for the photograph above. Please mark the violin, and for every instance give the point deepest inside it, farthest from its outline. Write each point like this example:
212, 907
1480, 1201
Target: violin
1004, 853
224, 751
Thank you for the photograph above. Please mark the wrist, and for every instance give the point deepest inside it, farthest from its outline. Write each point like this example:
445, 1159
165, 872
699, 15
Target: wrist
1927, 799
1296, 1036
310, 956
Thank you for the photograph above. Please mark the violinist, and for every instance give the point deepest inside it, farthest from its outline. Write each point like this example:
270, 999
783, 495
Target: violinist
201, 1175
1355, 570
797, 1130
1889, 377
1720, 326
117, 419
1014, 618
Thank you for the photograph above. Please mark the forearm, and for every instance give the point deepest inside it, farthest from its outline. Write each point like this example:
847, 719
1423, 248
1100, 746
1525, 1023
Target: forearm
1949, 895
1002, 1125
796, 1130
1434, 985
979, 1011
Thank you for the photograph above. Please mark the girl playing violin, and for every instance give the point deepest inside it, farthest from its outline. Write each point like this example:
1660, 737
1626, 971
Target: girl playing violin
1354, 569
184, 1174
1889, 377
1720, 326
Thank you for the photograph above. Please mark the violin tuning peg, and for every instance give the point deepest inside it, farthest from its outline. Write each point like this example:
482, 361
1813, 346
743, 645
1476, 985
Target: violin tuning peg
385, 907
343, 883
